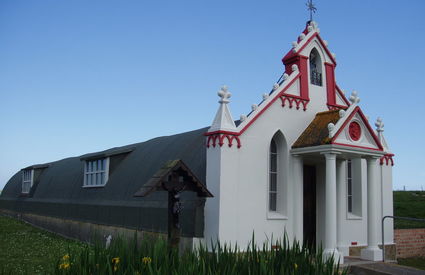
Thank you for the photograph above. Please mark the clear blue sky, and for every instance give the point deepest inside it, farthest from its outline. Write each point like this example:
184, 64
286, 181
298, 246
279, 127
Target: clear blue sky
83, 76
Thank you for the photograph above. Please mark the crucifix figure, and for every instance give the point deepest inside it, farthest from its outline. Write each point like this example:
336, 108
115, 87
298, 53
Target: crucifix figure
312, 8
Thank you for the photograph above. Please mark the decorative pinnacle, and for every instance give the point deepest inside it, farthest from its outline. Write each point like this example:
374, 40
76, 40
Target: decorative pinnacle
379, 125
354, 98
331, 127
224, 94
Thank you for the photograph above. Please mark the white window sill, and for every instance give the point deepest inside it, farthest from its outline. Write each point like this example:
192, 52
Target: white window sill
351, 216
276, 216
93, 186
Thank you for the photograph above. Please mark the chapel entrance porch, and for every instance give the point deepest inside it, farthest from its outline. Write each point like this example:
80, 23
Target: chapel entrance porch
327, 165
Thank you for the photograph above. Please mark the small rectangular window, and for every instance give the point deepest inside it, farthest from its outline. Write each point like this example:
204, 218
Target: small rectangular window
349, 187
96, 172
27, 179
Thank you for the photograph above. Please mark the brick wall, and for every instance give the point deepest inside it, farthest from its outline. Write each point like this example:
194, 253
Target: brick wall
410, 242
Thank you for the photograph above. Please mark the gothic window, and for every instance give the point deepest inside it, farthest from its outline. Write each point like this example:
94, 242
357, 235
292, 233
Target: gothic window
273, 176
315, 68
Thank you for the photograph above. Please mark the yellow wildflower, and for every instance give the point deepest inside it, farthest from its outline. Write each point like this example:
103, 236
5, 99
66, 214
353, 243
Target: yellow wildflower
295, 266
115, 268
116, 260
146, 260
65, 257
64, 266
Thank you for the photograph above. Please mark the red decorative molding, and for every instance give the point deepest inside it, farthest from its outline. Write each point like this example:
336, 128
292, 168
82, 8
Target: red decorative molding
291, 99
221, 136
330, 83
355, 131
387, 159
366, 123
332, 107
338, 90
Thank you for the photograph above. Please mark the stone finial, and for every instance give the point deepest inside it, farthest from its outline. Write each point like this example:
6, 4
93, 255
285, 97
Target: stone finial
294, 67
379, 125
224, 94
285, 76
294, 44
265, 96
275, 86
223, 120
243, 118
301, 37
331, 127
341, 113
333, 55
254, 107
310, 28
354, 98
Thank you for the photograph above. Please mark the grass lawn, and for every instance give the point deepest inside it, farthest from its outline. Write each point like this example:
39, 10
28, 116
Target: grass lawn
413, 262
27, 250
409, 204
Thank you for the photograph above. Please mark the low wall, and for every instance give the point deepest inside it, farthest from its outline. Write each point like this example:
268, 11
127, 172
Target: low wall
85, 231
410, 242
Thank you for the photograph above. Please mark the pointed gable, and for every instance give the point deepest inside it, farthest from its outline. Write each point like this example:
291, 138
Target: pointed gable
355, 131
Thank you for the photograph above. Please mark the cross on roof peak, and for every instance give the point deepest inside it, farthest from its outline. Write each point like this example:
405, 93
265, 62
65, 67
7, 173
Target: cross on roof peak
311, 7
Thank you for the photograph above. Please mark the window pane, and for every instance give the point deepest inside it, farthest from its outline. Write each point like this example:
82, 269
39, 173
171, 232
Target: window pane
273, 147
350, 204
349, 187
273, 163
349, 168
273, 182
272, 202
102, 178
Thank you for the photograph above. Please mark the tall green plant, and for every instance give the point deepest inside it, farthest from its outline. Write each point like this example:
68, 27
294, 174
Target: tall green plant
153, 256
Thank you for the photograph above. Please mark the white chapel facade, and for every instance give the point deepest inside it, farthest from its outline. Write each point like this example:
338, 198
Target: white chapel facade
305, 162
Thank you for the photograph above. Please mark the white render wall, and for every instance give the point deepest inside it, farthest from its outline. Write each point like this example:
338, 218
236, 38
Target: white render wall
239, 178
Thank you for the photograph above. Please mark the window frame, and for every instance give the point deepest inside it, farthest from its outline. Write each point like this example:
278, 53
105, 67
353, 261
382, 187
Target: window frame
90, 170
349, 180
273, 174
25, 180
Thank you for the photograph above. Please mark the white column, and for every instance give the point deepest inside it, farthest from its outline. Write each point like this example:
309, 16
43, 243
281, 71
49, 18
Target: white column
298, 198
372, 252
341, 177
330, 209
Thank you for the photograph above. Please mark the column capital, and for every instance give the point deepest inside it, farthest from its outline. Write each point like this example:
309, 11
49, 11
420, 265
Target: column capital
372, 158
330, 154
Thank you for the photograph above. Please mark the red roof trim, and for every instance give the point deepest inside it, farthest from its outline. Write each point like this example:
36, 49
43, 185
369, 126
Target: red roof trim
356, 146
259, 113
358, 110
291, 54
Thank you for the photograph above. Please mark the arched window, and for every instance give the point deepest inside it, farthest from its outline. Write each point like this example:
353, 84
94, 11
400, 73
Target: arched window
273, 174
315, 68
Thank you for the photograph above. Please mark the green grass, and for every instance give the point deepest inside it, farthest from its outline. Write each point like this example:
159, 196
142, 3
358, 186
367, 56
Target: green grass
417, 262
409, 204
27, 250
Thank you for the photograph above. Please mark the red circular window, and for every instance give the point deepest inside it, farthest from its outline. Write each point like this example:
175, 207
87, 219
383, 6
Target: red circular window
355, 131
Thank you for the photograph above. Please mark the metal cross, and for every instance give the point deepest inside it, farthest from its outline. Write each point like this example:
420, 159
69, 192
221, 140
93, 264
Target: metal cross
312, 8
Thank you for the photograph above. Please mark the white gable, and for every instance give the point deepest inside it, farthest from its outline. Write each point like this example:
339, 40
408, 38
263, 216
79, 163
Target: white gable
356, 125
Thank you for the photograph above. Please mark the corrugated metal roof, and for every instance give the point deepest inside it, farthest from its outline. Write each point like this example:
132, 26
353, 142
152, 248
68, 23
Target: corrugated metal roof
63, 179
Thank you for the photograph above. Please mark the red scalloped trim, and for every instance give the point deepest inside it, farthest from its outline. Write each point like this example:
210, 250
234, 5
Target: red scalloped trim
291, 99
221, 137
332, 107
387, 159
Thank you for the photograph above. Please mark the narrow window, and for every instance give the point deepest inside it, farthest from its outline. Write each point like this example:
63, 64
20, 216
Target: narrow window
349, 187
315, 68
27, 177
96, 172
273, 177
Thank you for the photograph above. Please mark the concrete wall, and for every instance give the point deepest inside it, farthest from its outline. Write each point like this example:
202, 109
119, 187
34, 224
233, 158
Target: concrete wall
410, 242
87, 232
